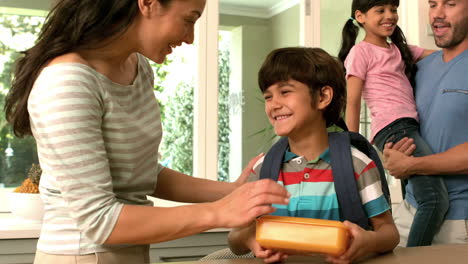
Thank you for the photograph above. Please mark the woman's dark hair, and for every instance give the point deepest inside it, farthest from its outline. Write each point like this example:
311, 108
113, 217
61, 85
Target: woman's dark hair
311, 66
70, 26
350, 32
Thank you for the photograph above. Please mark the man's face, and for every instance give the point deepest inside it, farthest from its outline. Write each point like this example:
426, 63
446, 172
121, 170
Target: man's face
449, 22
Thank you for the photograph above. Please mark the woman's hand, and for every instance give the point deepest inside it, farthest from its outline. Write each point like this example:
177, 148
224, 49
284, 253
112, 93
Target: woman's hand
361, 244
248, 202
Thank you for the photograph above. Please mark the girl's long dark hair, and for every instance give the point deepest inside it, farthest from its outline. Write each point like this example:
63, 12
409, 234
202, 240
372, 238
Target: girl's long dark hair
350, 33
70, 26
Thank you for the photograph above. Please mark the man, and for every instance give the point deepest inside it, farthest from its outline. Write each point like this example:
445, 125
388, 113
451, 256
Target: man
442, 102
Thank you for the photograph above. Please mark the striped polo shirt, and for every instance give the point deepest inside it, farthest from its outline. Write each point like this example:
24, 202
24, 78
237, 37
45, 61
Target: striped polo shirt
97, 143
312, 188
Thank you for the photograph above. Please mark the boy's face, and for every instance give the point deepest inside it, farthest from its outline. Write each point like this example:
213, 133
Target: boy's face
290, 110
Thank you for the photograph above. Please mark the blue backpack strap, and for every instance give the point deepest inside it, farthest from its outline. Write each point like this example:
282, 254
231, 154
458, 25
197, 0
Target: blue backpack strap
274, 160
345, 183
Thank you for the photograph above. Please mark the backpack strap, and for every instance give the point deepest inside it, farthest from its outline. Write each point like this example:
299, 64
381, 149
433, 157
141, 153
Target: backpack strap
345, 184
273, 160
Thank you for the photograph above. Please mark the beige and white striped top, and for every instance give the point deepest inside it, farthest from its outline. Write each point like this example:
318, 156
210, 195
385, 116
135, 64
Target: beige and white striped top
97, 143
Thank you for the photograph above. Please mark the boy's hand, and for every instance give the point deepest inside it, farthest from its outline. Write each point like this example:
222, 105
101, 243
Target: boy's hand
361, 244
268, 255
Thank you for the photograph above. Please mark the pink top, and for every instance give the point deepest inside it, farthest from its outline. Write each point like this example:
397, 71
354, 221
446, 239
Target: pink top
387, 91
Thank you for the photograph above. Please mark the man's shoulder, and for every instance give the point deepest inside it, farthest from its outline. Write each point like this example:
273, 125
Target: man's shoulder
429, 58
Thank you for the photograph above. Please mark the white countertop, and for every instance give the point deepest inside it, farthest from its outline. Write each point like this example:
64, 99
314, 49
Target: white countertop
12, 227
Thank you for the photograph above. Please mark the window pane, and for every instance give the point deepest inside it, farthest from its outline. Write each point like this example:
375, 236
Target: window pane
224, 109
17, 33
174, 88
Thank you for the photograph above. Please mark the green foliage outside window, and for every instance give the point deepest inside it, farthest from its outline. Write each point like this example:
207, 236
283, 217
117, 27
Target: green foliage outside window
223, 116
17, 33
177, 118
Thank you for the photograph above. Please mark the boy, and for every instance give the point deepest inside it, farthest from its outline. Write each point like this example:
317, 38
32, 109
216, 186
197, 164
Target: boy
304, 91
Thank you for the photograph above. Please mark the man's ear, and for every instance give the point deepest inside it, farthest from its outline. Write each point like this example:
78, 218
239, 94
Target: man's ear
360, 17
325, 98
148, 7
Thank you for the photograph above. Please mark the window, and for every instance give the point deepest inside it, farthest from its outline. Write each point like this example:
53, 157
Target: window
184, 106
18, 31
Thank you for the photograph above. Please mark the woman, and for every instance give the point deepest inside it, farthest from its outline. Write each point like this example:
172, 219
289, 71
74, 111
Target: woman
85, 92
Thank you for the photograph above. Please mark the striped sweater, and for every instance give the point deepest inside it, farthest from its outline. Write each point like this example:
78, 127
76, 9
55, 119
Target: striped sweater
97, 143
312, 188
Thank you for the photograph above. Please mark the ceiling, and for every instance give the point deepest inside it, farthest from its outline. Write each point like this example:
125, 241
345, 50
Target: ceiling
265, 4
255, 8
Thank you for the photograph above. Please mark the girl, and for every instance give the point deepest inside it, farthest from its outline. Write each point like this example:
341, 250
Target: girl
383, 73
85, 92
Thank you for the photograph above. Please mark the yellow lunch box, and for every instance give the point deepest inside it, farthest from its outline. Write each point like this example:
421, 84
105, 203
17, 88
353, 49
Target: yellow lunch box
302, 235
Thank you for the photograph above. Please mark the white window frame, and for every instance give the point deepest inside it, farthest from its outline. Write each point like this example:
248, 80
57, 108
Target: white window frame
205, 161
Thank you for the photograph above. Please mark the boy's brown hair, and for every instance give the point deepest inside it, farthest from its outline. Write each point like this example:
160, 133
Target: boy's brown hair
311, 66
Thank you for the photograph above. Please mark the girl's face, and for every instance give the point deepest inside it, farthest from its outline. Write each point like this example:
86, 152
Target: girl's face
379, 21
163, 28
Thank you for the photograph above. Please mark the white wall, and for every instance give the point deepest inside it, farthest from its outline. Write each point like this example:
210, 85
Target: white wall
415, 23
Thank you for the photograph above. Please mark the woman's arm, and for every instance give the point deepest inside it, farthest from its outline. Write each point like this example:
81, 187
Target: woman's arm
145, 225
353, 103
175, 186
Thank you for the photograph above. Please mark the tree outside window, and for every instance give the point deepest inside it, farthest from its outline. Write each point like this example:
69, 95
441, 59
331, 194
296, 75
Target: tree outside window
17, 33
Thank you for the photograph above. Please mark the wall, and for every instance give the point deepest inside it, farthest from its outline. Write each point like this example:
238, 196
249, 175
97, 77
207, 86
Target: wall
426, 38
285, 28
32, 4
253, 39
251, 42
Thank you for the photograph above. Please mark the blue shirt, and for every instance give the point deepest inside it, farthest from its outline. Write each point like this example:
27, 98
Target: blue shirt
442, 103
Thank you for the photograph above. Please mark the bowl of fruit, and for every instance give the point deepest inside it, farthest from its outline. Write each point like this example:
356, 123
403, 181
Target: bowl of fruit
25, 201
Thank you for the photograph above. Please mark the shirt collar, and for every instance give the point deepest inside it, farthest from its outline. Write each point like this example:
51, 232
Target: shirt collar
325, 156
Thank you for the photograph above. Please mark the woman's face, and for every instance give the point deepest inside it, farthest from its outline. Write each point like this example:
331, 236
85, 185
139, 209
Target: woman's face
162, 28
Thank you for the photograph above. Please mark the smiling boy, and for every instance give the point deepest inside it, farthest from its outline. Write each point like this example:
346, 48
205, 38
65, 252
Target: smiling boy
304, 92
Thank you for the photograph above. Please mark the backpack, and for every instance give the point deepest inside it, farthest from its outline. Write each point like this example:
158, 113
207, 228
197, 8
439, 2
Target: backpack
351, 208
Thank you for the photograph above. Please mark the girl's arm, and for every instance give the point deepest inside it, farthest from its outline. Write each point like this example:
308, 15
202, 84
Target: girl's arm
353, 102
364, 243
426, 53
